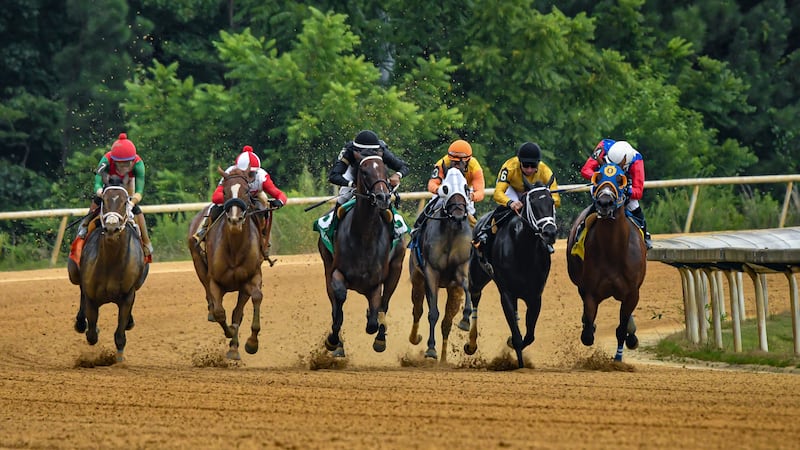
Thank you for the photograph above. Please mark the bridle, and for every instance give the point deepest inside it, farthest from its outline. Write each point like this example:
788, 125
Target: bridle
375, 197
529, 216
114, 220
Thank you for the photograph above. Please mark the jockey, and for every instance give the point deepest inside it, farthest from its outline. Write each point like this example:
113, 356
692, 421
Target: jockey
619, 152
259, 184
459, 155
527, 165
343, 172
123, 162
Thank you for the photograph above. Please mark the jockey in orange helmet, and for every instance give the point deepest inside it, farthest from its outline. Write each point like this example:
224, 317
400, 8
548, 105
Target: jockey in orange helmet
122, 161
459, 155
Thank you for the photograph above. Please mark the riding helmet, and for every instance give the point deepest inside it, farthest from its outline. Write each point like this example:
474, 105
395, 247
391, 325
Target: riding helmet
460, 149
123, 149
366, 139
529, 153
246, 156
620, 151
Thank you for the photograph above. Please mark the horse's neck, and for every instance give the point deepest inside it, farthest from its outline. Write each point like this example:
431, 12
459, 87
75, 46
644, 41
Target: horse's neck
367, 220
237, 242
614, 231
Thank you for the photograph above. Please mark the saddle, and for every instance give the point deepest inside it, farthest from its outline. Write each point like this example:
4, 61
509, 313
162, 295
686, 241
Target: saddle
580, 235
326, 225
76, 248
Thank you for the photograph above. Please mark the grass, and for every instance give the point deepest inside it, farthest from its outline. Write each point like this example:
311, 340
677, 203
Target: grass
779, 341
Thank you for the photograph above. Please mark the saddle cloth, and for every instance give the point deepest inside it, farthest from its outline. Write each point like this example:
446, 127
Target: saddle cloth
326, 225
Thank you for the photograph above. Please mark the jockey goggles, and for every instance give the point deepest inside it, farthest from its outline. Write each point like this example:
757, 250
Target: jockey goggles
459, 157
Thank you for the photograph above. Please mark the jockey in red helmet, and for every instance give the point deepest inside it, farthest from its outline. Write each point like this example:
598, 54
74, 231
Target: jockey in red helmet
261, 184
122, 161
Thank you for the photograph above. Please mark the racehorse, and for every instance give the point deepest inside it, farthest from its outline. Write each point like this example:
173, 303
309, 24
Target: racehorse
231, 260
365, 258
112, 266
614, 259
440, 259
520, 264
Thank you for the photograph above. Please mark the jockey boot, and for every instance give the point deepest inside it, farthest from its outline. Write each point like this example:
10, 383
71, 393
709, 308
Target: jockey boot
202, 229
148, 246
639, 215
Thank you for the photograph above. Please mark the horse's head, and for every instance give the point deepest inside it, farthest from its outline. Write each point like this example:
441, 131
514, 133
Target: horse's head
236, 191
608, 189
539, 211
372, 183
453, 191
115, 209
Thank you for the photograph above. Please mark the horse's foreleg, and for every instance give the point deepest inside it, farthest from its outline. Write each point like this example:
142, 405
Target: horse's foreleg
251, 346
236, 323
337, 293
533, 309
217, 310
417, 297
80, 318
626, 330
92, 312
123, 318
589, 315
510, 312
432, 294
452, 306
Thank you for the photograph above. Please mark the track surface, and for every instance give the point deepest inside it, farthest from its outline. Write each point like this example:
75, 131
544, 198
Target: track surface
175, 391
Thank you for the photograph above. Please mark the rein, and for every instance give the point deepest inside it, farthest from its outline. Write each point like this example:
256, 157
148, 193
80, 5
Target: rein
536, 224
110, 215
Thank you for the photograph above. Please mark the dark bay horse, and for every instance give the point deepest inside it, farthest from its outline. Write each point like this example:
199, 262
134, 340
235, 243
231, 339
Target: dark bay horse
440, 259
614, 259
364, 259
112, 266
232, 260
520, 262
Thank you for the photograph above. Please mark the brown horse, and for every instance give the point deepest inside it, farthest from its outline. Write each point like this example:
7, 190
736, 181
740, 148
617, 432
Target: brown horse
112, 266
440, 259
365, 258
232, 260
614, 258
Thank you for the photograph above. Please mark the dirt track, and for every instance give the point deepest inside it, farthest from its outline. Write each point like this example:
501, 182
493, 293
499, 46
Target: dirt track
171, 393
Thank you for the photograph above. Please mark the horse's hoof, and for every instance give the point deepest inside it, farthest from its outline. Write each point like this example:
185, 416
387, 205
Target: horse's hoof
632, 342
251, 347
372, 328
463, 325
587, 339
211, 317
80, 326
338, 352
470, 350
431, 353
379, 346
415, 339
510, 342
120, 357
233, 355
330, 346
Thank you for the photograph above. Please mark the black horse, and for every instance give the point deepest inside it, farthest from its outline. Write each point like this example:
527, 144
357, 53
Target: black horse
112, 266
520, 262
365, 258
440, 259
610, 260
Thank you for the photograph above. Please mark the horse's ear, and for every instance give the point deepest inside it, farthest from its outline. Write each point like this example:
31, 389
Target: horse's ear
551, 180
622, 180
594, 177
220, 171
624, 160
104, 177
